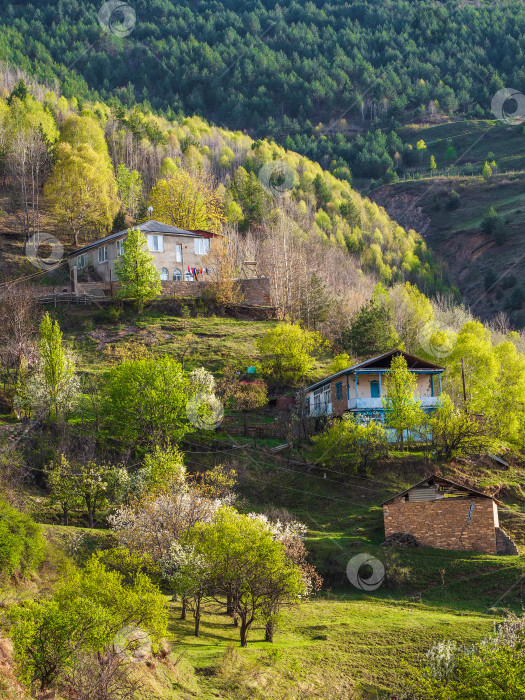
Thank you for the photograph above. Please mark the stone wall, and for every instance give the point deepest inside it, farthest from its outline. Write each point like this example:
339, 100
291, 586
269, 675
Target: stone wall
445, 523
256, 291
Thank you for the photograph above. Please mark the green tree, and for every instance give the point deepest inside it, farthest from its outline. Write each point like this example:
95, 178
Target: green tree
351, 446
340, 362
455, 433
85, 613
88, 485
402, 408
54, 386
486, 173
250, 568
371, 330
421, 148
188, 202
144, 401
62, 487
163, 469
22, 546
129, 184
433, 165
136, 272
82, 191
322, 192
492, 224
450, 154
453, 201
19, 91
287, 352
190, 574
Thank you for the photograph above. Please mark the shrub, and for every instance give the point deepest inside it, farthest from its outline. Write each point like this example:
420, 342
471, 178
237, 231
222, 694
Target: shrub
21, 542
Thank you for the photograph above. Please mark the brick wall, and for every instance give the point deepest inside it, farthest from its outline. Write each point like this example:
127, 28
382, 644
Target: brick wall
339, 407
444, 523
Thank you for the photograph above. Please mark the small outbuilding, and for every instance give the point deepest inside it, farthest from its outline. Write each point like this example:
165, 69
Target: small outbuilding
443, 514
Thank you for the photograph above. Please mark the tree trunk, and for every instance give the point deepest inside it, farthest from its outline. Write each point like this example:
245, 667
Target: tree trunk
268, 633
91, 519
197, 616
244, 633
229, 605
183, 610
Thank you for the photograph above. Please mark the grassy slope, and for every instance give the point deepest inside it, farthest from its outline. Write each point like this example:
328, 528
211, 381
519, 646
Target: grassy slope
456, 236
364, 641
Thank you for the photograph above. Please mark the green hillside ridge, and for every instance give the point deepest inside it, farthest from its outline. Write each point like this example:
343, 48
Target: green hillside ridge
487, 270
297, 65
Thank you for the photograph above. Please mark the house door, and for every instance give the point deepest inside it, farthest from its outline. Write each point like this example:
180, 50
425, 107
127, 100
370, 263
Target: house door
374, 389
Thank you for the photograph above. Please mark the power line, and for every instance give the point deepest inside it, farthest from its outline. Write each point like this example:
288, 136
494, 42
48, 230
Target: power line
305, 464
274, 466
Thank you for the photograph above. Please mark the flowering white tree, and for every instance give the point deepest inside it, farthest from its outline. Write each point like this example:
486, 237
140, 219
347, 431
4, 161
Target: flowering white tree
153, 524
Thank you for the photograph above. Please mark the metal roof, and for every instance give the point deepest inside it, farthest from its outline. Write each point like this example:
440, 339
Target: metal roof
441, 480
406, 355
151, 226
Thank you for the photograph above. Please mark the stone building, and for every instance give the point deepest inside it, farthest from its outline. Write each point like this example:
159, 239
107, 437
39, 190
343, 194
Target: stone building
178, 254
442, 514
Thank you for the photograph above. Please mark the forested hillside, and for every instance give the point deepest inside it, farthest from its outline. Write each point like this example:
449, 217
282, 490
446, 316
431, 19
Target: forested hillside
283, 69
264, 196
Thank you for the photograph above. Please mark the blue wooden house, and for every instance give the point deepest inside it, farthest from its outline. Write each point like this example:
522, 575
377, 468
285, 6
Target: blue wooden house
358, 389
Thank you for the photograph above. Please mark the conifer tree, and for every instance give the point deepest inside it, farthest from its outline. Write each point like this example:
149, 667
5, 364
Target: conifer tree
139, 278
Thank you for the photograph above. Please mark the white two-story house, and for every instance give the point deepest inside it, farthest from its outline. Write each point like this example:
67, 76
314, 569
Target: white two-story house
178, 254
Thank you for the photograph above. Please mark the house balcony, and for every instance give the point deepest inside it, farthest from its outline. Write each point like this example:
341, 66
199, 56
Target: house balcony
376, 404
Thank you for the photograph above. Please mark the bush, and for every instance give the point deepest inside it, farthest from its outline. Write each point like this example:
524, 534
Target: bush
21, 542
454, 200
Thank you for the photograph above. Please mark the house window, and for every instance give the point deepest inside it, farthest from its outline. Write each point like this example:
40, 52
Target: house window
176, 275
178, 253
82, 261
202, 246
164, 274
322, 399
120, 248
102, 254
156, 243
339, 391
188, 277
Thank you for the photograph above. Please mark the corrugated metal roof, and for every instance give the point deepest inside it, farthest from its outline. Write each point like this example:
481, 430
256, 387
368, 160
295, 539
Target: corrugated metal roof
364, 363
151, 226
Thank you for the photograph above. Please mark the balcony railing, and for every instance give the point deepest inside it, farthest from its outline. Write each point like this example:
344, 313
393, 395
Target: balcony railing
426, 402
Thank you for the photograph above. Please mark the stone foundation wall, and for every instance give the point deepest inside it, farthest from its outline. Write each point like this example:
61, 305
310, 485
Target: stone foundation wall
256, 291
448, 523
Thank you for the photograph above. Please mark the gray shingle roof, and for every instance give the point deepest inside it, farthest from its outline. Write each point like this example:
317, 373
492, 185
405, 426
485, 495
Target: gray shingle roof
151, 226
